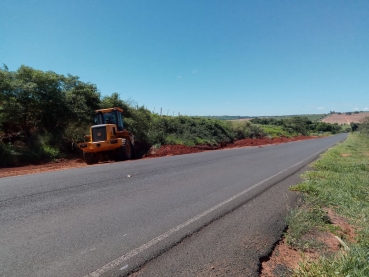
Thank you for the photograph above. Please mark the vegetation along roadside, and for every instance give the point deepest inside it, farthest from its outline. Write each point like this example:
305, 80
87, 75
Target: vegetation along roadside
43, 114
328, 235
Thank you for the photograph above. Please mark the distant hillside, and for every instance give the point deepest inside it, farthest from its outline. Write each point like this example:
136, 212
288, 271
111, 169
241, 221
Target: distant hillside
312, 117
345, 118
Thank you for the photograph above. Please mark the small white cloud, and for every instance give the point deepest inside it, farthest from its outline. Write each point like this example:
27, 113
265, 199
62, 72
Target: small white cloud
365, 109
356, 108
320, 108
194, 71
179, 77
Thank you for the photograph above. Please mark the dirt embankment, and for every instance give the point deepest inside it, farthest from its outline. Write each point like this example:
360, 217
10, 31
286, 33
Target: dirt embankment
171, 150
165, 150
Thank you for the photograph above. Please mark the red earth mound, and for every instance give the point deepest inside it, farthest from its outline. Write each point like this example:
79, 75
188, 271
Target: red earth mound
165, 150
171, 150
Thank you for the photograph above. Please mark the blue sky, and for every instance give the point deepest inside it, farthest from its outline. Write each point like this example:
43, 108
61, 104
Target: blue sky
213, 57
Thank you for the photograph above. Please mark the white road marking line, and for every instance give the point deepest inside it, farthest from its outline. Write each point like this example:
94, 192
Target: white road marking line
140, 249
124, 267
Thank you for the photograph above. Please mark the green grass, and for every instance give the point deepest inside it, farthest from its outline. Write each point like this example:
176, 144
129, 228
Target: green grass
340, 183
275, 131
301, 222
353, 264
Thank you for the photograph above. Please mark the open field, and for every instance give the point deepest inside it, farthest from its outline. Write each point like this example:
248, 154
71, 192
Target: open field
312, 117
344, 118
242, 119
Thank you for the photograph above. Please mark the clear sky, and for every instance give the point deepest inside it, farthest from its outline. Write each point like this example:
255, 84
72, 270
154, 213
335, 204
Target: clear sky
213, 57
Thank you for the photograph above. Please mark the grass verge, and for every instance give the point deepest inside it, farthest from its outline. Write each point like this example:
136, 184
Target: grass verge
340, 183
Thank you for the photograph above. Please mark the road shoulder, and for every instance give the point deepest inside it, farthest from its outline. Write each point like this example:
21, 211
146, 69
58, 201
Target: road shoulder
234, 244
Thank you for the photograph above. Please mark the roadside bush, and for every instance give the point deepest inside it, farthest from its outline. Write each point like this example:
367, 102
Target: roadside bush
8, 155
188, 131
247, 130
75, 132
299, 125
364, 125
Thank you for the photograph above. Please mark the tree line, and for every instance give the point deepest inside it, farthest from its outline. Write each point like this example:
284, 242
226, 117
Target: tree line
43, 113
299, 124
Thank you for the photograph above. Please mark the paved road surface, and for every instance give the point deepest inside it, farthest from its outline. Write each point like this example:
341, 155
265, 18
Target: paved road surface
108, 219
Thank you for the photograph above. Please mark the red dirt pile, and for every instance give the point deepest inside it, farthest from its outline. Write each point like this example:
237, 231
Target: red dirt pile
171, 150
165, 150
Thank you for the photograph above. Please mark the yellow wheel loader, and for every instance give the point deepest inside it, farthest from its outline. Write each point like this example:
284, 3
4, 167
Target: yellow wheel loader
108, 138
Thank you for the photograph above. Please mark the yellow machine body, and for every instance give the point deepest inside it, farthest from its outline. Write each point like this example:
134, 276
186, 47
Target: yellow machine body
108, 136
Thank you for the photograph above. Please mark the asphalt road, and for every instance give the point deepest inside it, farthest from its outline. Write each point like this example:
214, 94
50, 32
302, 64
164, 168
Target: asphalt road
108, 219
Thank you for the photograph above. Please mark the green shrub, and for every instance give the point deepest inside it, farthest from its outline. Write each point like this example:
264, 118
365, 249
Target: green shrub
8, 154
188, 130
245, 129
51, 152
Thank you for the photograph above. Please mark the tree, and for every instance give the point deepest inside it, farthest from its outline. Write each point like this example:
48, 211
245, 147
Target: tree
354, 126
33, 100
113, 101
82, 99
364, 125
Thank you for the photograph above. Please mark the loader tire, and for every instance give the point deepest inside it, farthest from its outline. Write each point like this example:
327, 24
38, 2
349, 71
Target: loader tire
133, 151
125, 151
90, 158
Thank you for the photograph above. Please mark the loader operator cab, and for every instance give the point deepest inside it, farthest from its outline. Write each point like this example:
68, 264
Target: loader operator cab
110, 116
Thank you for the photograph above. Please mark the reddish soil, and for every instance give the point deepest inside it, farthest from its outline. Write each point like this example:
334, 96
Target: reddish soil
51, 166
170, 150
165, 150
344, 118
285, 258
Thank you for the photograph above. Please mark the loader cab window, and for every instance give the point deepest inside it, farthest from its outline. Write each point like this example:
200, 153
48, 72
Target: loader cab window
99, 118
119, 120
114, 117
109, 118
105, 118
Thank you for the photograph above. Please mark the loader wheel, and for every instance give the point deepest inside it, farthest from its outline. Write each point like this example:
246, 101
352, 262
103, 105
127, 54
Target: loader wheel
133, 151
125, 151
90, 158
